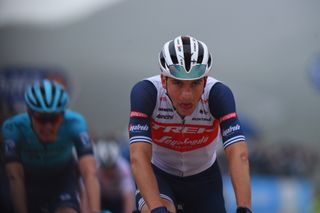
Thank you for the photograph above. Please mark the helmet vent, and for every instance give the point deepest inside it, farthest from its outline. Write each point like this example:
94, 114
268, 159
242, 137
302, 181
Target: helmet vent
186, 52
200, 53
209, 61
43, 94
60, 99
37, 104
162, 61
173, 53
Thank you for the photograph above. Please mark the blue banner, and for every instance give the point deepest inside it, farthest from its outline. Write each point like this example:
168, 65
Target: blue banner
274, 194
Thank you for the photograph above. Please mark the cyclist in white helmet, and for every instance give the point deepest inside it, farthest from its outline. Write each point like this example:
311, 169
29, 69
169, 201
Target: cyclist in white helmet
40, 164
114, 174
177, 119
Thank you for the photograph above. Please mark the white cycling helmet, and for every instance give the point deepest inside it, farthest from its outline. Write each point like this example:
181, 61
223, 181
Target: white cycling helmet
185, 58
107, 153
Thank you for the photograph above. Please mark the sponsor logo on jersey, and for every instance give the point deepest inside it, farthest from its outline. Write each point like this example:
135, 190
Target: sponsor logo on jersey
186, 141
138, 128
165, 109
230, 130
10, 146
85, 139
228, 116
138, 114
190, 129
168, 117
163, 98
202, 119
183, 138
65, 196
201, 111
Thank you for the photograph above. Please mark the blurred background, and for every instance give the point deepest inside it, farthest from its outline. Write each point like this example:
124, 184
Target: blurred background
267, 52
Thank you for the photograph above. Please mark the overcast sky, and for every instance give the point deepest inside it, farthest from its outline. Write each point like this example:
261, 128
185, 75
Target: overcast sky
262, 51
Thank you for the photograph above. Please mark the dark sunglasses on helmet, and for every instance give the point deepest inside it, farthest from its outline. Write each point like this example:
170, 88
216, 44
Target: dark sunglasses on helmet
47, 117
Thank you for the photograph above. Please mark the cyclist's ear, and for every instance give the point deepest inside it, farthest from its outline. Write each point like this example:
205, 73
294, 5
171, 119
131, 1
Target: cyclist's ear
163, 81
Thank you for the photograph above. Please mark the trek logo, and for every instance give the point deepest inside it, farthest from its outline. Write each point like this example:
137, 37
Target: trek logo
138, 128
164, 116
182, 129
230, 130
184, 138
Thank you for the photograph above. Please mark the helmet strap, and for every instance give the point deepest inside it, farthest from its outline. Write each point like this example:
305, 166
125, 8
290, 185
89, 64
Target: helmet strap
205, 83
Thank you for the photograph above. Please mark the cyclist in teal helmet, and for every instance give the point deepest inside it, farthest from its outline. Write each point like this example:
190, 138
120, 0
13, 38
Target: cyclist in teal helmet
46, 102
47, 97
39, 154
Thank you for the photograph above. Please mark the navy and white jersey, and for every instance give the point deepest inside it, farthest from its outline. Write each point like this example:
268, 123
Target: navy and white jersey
183, 146
23, 145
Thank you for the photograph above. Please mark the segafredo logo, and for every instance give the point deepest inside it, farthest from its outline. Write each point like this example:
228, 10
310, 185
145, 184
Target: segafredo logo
138, 127
231, 129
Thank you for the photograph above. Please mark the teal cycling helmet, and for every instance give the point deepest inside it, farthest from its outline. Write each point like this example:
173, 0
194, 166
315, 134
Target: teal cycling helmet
185, 58
46, 96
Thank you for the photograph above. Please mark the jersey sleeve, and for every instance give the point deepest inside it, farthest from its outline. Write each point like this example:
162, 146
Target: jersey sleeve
11, 135
142, 102
81, 138
223, 108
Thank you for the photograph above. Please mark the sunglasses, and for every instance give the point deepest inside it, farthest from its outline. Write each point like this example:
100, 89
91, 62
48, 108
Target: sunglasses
179, 71
44, 118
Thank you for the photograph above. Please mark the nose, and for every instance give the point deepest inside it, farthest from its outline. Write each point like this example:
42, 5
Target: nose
186, 94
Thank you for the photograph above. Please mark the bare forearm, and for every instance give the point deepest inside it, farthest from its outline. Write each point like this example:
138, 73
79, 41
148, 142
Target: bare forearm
147, 183
15, 174
93, 192
87, 166
239, 171
18, 195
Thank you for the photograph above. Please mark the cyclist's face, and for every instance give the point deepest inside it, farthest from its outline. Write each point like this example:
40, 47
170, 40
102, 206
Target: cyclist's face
184, 95
46, 125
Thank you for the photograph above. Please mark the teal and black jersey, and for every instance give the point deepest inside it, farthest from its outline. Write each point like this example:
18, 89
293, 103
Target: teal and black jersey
23, 145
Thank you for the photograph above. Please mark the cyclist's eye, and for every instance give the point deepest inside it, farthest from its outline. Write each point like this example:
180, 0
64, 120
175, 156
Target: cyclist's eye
196, 83
177, 83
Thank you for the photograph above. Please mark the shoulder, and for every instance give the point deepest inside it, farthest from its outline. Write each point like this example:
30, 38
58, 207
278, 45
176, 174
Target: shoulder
74, 119
146, 88
147, 83
18, 119
220, 88
73, 116
13, 124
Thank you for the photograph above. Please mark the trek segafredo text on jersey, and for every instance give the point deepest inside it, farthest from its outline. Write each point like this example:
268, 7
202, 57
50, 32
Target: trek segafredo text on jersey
183, 146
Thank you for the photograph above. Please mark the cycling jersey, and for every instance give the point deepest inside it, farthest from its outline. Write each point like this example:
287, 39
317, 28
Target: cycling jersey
183, 146
22, 144
50, 169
